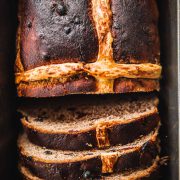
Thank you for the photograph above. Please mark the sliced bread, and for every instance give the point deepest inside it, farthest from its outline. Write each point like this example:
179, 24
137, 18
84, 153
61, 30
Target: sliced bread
91, 123
147, 173
58, 164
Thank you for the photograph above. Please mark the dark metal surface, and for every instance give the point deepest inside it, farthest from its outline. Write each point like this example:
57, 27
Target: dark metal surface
169, 87
178, 51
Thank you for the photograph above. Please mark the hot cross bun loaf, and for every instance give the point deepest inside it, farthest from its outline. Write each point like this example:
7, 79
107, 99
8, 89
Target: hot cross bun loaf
87, 46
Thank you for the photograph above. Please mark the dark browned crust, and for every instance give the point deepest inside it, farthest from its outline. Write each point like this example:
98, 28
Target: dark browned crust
139, 159
122, 85
54, 32
117, 134
49, 89
83, 86
135, 31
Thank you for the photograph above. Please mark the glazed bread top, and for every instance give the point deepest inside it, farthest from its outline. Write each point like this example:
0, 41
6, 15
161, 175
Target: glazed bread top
56, 32
53, 32
104, 39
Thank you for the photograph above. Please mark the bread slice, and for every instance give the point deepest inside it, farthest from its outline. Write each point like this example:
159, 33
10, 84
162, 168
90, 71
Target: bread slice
53, 164
147, 173
95, 122
84, 50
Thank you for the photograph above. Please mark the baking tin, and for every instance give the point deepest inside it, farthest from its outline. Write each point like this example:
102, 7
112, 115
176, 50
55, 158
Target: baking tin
8, 122
169, 86
169, 94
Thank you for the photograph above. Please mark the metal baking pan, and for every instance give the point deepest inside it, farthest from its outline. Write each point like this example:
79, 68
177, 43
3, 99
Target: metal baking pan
169, 107
169, 94
8, 122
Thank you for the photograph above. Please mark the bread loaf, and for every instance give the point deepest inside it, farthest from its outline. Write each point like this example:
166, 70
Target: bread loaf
87, 46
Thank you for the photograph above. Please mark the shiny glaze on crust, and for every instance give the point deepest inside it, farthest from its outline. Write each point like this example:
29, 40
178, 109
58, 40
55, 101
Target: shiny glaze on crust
57, 32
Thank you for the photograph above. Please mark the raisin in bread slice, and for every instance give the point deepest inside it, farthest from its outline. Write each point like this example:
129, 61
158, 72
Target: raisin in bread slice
94, 123
73, 47
149, 173
58, 164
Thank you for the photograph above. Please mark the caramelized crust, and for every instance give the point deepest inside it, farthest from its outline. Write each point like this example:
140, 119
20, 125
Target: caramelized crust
87, 86
54, 32
122, 85
80, 84
135, 31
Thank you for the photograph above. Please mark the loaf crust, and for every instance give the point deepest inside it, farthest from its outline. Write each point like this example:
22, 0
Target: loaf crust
85, 85
46, 54
137, 159
90, 139
54, 32
135, 31
80, 85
